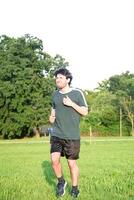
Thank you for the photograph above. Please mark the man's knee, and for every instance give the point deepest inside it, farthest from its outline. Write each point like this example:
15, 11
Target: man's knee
72, 163
55, 158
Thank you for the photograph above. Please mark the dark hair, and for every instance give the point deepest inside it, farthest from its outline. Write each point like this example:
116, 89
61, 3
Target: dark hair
64, 72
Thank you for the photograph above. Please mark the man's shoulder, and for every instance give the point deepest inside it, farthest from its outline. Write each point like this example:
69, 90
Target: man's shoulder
78, 93
55, 92
77, 90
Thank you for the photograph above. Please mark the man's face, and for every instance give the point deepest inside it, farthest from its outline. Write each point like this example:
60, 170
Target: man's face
61, 81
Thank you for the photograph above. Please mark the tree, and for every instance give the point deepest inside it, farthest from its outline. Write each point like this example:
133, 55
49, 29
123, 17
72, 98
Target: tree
128, 105
102, 117
26, 85
105, 112
123, 87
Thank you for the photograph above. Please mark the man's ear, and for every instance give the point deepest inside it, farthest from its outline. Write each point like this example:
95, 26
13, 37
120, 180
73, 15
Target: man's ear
68, 80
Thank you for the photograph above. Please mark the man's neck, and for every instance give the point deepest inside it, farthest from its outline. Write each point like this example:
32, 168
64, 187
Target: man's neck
65, 89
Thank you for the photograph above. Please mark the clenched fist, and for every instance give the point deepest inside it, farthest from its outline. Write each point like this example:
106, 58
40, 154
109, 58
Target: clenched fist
67, 101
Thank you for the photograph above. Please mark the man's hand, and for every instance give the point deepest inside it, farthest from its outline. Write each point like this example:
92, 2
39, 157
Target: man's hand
82, 110
67, 101
52, 119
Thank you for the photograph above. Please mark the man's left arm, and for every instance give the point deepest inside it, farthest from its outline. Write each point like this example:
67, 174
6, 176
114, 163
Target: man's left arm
83, 110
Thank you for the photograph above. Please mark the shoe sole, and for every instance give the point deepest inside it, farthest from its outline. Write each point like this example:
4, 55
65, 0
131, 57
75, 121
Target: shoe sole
64, 188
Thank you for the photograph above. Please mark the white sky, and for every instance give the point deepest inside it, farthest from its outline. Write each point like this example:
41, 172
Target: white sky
95, 36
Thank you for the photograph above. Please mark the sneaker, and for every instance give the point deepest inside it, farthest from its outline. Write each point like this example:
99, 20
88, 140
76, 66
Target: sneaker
61, 188
75, 193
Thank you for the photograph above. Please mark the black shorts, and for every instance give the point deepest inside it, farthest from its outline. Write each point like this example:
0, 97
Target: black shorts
68, 148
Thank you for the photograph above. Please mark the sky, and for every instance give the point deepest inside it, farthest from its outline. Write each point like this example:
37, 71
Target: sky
96, 37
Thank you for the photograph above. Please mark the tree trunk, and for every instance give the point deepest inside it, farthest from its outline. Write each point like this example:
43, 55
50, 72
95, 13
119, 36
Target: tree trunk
132, 125
37, 133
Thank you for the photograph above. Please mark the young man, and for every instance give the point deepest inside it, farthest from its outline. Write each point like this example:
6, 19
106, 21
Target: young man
67, 107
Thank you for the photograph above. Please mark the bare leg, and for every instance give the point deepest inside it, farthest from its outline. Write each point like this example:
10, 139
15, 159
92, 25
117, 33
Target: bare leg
55, 160
74, 172
61, 185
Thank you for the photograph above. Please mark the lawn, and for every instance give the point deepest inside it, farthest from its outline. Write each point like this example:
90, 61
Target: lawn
106, 170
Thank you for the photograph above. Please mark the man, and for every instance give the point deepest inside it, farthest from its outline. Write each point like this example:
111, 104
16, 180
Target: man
68, 106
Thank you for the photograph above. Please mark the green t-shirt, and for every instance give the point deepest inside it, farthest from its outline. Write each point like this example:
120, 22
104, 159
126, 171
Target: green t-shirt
66, 125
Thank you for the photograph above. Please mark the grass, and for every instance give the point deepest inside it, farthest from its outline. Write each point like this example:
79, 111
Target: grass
106, 170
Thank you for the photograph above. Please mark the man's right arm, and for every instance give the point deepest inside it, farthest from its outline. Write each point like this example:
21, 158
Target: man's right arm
52, 116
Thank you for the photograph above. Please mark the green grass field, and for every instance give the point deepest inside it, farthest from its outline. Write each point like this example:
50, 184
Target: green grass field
106, 170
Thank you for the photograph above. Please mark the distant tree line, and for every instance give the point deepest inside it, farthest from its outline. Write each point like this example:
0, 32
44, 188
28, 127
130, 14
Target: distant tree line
27, 84
111, 107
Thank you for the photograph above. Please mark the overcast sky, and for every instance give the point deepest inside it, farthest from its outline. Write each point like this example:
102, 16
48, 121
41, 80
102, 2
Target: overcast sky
95, 36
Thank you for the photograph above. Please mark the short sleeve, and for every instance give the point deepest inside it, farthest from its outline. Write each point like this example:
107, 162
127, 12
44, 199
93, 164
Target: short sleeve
82, 100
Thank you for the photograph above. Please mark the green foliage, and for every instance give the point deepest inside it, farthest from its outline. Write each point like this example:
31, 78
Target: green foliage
105, 104
26, 85
123, 87
103, 117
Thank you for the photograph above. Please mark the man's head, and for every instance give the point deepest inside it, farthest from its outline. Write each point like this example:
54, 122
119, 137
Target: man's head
63, 77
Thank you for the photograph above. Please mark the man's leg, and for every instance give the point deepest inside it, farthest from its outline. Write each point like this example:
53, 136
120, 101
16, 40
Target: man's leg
55, 159
74, 172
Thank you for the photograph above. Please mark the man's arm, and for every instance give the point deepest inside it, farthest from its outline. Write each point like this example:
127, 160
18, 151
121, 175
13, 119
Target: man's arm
52, 116
83, 110
80, 109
